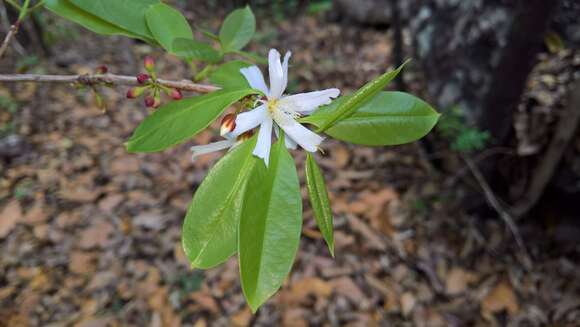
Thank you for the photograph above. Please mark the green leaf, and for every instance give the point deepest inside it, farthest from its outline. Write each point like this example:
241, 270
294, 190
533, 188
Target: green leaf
186, 48
67, 10
228, 75
167, 24
390, 118
237, 29
126, 14
210, 230
364, 94
178, 121
319, 201
252, 57
270, 226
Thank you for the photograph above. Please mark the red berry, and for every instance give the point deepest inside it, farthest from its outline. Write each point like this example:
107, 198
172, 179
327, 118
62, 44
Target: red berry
176, 94
149, 63
132, 93
102, 69
149, 101
142, 78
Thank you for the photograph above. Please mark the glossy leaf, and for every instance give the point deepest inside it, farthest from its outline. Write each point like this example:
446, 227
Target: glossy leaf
270, 226
319, 201
210, 229
228, 75
178, 121
126, 14
167, 24
238, 29
93, 23
192, 49
364, 94
390, 118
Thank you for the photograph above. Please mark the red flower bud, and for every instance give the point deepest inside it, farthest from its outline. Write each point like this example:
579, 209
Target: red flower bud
149, 63
176, 94
246, 136
149, 101
228, 124
142, 78
135, 92
102, 69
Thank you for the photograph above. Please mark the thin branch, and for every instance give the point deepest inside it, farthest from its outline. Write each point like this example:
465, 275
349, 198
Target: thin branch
9, 36
105, 79
495, 204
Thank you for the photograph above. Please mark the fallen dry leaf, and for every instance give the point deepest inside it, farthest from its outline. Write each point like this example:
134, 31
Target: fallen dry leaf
9, 216
501, 297
457, 281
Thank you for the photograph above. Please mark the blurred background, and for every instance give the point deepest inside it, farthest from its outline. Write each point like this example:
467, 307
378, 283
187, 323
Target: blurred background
478, 224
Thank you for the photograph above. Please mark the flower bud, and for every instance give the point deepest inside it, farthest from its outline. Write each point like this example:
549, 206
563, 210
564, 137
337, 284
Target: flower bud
176, 94
228, 124
149, 63
149, 101
142, 78
102, 69
246, 136
135, 92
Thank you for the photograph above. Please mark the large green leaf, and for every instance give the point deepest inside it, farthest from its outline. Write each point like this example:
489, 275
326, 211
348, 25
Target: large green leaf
126, 14
228, 75
93, 23
237, 29
319, 201
167, 24
364, 94
186, 48
178, 121
210, 230
390, 118
270, 226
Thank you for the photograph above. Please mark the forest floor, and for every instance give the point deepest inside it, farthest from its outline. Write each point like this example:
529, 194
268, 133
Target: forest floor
90, 234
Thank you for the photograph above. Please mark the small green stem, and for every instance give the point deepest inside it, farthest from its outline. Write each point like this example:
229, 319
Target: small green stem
14, 4
203, 73
24, 10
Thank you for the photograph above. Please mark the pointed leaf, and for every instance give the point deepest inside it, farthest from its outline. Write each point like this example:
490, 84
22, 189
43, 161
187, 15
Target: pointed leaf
167, 24
192, 49
178, 121
390, 118
319, 201
228, 75
270, 226
69, 11
238, 29
210, 230
360, 97
126, 14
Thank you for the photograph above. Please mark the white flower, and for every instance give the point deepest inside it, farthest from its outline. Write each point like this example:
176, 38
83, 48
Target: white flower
280, 109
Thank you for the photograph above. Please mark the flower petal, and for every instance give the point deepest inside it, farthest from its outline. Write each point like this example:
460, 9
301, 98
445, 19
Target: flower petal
306, 103
262, 149
307, 139
211, 147
285, 71
254, 76
276, 75
290, 143
249, 119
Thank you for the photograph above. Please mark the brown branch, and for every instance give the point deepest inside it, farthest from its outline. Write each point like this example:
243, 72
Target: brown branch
106, 79
498, 207
9, 36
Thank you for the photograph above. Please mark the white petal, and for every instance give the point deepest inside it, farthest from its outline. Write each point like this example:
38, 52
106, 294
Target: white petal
307, 139
254, 76
285, 71
249, 119
306, 103
209, 148
290, 143
276, 75
262, 149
